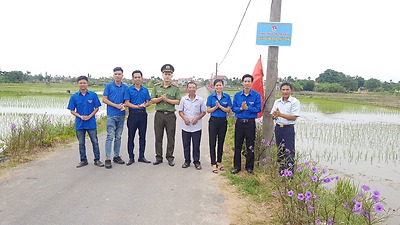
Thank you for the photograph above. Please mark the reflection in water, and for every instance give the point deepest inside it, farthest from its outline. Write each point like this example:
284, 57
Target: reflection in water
364, 144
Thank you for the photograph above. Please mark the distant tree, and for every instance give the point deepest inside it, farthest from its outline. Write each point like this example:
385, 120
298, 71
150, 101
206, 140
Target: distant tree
373, 84
307, 85
330, 76
360, 81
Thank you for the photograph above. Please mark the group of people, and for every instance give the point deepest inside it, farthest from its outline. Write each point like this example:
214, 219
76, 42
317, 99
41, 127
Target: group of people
246, 104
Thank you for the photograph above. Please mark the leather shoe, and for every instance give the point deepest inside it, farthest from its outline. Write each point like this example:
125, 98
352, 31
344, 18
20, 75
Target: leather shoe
171, 163
250, 171
144, 160
235, 171
130, 162
185, 165
157, 162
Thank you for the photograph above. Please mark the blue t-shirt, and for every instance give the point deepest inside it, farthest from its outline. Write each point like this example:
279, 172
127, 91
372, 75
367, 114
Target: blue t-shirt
225, 101
84, 105
115, 94
253, 101
137, 97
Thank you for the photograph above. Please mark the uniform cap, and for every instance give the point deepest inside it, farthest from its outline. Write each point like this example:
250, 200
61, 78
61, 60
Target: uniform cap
167, 68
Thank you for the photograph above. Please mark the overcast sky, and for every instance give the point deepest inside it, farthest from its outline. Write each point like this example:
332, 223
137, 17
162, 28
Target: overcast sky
77, 37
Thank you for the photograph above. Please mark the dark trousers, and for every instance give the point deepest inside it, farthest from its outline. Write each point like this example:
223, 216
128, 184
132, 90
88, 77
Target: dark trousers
216, 132
193, 137
168, 122
244, 131
137, 121
285, 142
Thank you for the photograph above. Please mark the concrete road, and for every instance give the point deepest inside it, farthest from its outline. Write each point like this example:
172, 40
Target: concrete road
52, 191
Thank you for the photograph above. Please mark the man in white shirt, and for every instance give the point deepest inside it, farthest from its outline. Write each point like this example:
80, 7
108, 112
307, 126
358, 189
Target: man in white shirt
191, 109
285, 112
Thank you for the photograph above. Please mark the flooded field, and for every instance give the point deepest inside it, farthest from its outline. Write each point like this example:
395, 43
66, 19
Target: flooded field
361, 142
14, 110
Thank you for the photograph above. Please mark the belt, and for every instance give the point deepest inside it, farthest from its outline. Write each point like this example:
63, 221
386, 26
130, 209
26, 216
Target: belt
137, 112
164, 112
245, 120
218, 118
281, 125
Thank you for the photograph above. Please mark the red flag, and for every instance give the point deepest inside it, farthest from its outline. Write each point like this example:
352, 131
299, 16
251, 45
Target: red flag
258, 86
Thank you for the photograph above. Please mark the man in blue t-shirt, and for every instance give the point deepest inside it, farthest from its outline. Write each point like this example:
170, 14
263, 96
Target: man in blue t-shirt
84, 104
137, 98
246, 106
113, 96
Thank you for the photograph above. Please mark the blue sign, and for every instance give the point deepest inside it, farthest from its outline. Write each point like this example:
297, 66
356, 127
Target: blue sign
274, 34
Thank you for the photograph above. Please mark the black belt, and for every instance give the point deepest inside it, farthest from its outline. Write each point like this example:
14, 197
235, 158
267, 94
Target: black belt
164, 112
218, 118
245, 120
137, 112
281, 125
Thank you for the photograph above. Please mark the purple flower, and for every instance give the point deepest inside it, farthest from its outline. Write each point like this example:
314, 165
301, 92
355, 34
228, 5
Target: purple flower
308, 194
290, 164
283, 144
314, 178
263, 141
329, 222
378, 208
323, 171
306, 163
310, 208
317, 221
272, 143
315, 196
264, 160
268, 143
337, 178
304, 184
287, 150
377, 193
14, 126
300, 197
314, 169
299, 169
274, 193
346, 205
375, 198
307, 200
365, 187
282, 193
290, 193
251, 147
326, 180
357, 207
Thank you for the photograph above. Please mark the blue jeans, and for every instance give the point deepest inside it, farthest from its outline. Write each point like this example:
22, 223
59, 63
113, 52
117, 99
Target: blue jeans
115, 126
80, 134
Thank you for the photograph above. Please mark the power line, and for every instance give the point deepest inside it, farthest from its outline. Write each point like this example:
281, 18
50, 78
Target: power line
236, 33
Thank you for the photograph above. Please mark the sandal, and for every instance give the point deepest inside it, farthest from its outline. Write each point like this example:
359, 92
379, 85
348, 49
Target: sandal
214, 169
220, 166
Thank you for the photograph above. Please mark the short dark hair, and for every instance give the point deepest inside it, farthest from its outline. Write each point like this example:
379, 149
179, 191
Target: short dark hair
191, 82
218, 80
247, 75
137, 71
286, 84
82, 78
118, 69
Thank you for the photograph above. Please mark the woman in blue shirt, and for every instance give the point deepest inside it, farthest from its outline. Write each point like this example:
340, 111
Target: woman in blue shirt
218, 105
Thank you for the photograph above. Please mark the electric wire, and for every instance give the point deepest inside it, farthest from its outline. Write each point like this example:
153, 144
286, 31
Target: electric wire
237, 31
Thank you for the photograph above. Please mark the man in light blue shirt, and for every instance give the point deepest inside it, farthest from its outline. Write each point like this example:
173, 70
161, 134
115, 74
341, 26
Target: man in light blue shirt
191, 109
113, 96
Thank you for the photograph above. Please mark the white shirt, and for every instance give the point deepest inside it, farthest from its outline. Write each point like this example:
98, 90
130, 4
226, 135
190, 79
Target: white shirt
192, 108
291, 107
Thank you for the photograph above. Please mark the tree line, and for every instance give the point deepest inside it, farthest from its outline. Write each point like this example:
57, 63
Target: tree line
328, 81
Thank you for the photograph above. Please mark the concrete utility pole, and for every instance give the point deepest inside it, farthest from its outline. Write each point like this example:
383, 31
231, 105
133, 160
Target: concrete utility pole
272, 76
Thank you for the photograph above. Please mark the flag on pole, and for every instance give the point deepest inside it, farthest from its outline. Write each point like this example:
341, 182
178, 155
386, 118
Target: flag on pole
258, 85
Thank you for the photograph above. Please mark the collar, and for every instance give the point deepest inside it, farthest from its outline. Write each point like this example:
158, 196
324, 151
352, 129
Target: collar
290, 99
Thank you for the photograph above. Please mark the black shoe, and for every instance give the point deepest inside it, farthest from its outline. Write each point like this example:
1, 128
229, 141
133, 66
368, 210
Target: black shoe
130, 162
117, 159
108, 163
185, 165
144, 160
157, 162
171, 162
235, 171
197, 166
98, 163
82, 164
250, 171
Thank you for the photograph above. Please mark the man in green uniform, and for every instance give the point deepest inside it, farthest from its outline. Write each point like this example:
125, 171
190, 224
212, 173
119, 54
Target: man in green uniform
165, 96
